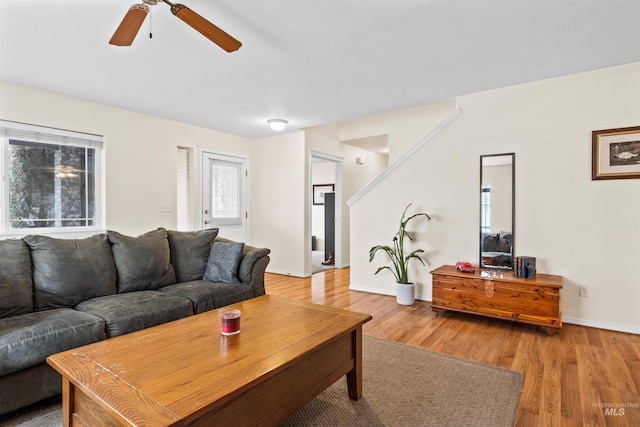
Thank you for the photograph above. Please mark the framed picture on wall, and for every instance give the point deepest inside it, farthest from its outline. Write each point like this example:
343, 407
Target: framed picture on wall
615, 153
319, 190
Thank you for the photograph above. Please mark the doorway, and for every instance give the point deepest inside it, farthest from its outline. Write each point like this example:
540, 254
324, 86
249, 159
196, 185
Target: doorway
325, 212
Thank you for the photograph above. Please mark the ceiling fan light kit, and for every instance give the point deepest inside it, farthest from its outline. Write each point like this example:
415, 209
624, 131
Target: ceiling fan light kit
277, 124
130, 25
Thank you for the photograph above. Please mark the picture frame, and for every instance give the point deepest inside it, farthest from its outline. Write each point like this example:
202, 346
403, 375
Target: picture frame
319, 190
615, 153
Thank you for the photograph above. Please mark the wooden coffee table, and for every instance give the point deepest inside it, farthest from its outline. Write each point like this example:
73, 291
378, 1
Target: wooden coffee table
186, 373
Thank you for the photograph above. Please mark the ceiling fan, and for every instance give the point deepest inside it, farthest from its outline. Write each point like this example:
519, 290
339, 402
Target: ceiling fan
132, 21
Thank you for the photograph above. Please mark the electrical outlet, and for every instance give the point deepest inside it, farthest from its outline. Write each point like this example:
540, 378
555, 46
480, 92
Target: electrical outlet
585, 290
166, 207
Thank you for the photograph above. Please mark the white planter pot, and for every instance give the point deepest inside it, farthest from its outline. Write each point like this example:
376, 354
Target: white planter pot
405, 293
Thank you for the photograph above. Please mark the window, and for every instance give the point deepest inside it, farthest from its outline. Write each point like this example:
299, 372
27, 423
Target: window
183, 199
225, 191
485, 205
50, 180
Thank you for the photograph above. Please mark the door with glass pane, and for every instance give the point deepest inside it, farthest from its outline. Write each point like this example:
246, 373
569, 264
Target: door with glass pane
224, 195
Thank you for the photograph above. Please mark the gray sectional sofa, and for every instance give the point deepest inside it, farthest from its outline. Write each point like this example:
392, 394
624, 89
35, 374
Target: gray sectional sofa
58, 294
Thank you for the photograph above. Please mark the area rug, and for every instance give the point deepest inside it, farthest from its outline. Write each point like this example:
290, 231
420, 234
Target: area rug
402, 386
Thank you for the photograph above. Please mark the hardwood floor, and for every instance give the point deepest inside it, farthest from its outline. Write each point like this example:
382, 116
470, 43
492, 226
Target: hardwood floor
568, 378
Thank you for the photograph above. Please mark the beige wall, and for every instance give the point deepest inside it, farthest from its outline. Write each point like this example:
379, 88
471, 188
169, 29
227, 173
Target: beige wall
355, 178
139, 151
585, 230
403, 127
278, 201
281, 198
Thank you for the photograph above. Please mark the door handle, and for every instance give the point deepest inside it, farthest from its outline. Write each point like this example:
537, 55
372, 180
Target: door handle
206, 221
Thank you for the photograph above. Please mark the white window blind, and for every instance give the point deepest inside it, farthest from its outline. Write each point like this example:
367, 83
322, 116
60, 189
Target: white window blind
485, 204
21, 131
183, 199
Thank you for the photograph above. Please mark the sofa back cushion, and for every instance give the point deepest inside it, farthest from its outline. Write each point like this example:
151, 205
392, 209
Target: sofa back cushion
143, 262
69, 271
490, 242
16, 288
505, 241
190, 252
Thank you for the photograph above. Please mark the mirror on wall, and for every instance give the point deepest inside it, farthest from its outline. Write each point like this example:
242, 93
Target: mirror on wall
497, 210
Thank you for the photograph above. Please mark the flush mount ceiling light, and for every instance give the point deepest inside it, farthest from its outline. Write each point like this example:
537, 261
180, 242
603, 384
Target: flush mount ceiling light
277, 124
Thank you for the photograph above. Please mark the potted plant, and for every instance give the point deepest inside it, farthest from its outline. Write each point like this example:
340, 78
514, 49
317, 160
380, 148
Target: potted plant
405, 290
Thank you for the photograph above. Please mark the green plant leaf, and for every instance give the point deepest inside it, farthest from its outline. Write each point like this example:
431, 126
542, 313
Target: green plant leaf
399, 260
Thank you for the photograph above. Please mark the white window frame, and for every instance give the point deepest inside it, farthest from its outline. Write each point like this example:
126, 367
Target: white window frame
46, 135
224, 157
238, 232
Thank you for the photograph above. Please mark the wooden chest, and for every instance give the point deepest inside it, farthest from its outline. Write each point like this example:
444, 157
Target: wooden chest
534, 301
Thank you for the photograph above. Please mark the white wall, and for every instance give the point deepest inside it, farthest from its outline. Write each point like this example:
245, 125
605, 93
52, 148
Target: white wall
281, 197
278, 201
139, 151
355, 178
584, 230
403, 127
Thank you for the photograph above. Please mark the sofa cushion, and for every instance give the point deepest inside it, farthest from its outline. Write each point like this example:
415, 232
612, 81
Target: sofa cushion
189, 252
207, 296
16, 288
67, 271
223, 262
133, 311
505, 243
28, 339
490, 242
143, 262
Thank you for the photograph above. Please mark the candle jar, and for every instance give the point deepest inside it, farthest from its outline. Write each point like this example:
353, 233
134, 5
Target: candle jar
230, 322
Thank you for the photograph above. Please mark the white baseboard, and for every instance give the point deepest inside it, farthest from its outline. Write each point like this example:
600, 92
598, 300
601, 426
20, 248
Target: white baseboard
571, 320
286, 273
602, 325
365, 289
378, 292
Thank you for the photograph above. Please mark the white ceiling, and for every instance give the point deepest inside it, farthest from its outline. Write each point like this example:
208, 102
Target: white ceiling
310, 62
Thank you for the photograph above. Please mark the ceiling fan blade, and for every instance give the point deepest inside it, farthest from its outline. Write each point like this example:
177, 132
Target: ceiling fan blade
130, 25
206, 28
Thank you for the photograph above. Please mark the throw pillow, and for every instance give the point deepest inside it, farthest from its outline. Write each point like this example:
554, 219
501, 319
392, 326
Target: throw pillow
16, 289
190, 252
143, 262
68, 271
223, 262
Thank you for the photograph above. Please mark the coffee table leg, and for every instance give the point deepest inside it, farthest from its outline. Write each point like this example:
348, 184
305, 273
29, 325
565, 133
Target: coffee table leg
67, 402
354, 378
